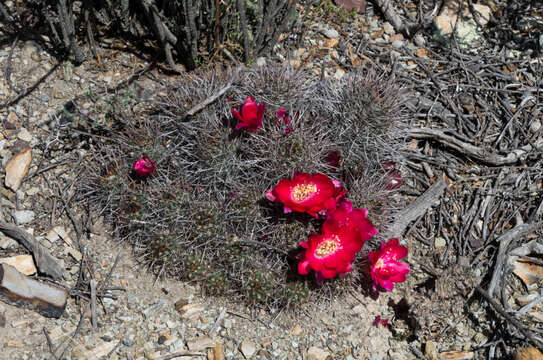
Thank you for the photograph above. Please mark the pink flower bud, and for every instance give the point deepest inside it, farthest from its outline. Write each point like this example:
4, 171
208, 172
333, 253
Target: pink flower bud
144, 167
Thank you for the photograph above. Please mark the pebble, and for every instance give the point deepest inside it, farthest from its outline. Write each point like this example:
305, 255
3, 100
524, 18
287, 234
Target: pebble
128, 341
330, 33
248, 349
23, 216
397, 44
17, 168
535, 126
315, 353
440, 242
200, 344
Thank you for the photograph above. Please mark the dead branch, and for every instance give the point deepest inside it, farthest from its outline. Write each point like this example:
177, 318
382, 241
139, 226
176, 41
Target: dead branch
46, 263
416, 209
517, 324
470, 150
504, 241
210, 100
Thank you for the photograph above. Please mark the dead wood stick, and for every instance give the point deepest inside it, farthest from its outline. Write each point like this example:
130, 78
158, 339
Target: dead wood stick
516, 323
217, 323
200, 106
93, 305
394, 19
470, 150
504, 241
416, 209
47, 264
180, 354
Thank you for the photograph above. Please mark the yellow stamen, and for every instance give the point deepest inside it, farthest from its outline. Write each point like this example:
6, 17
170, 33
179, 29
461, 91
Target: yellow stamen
327, 247
302, 192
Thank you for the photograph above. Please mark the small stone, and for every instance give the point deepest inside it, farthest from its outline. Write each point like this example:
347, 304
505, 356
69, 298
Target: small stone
261, 61
162, 338
201, 343
248, 349
483, 13
129, 341
456, 355
397, 44
535, 126
387, 27
339, 74
430, 351
23, 216
330, 33
23, 263
25, 135
171, 324
315, 353
218, 351
191, 311
52, 236
296, 330
7, 242
440, 242
16, 169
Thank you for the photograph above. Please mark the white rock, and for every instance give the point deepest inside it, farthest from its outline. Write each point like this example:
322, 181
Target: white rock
535, 126
52, 236
16, 169
201, 343
23, 216
315, 353
7, 242
483, 13
398, 44
248, 349
440, 242
25, 135
330, 33
261, 61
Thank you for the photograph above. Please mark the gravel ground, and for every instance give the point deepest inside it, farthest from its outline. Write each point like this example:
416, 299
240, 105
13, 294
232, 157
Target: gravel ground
151, 318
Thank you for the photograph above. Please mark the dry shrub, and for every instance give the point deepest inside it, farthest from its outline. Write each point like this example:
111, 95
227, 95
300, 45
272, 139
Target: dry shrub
203, 217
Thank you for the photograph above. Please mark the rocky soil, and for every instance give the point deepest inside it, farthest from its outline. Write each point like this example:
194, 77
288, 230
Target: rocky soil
146, 317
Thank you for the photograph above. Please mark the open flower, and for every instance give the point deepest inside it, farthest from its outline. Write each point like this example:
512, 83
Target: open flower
144, 167
355, 219
251, 114
330, 253
385, 267
312, 194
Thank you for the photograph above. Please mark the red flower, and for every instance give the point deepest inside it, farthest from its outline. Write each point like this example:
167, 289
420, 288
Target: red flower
334, 159
385, 267
251, 114
355, 219
312, 194
330, 253
144, 167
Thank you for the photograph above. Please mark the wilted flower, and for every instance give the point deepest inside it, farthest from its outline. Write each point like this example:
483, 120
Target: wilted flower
334, 159
144, 167
312, 194
283, 114
251, 114
395, 180
329, 253
380, 321
385, 267
355, 219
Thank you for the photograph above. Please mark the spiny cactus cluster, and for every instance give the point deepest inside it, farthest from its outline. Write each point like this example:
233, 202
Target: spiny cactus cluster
203, 215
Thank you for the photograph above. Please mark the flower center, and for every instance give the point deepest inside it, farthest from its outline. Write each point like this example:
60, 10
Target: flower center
302, 192
327, 247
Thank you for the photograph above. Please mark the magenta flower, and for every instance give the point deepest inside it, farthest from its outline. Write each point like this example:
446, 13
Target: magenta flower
355, 219
251, 115
385, 267
283, 114
144, 167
